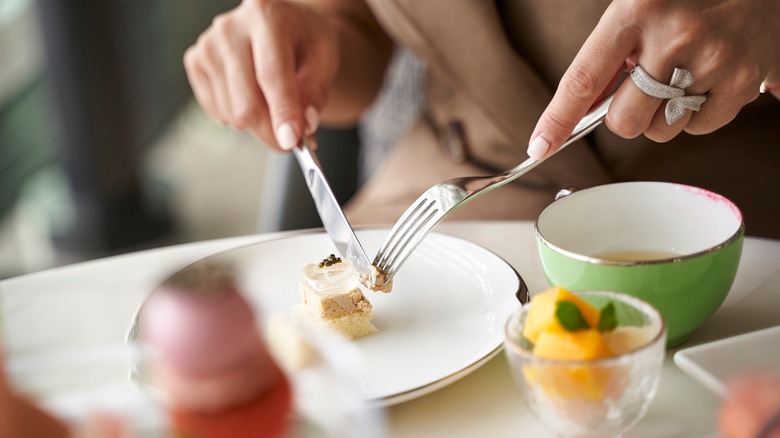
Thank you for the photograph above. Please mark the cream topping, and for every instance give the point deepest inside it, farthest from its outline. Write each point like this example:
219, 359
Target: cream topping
335, 278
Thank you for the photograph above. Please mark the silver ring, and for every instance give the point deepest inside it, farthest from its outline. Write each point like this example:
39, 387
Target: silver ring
677, 102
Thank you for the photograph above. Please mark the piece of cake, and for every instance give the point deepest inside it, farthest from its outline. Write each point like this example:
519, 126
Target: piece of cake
285, 340
332, 299
208, 360
376, 280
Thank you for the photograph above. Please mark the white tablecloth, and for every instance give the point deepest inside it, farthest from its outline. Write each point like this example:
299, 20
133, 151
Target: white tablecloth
89, 306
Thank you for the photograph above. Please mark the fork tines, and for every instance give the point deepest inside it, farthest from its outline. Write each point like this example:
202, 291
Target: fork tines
412, 227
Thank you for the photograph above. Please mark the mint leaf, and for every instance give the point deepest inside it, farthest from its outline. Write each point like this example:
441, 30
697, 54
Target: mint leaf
608, 318
569, 316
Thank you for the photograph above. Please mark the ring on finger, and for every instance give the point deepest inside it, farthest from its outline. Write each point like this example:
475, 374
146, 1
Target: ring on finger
677, 101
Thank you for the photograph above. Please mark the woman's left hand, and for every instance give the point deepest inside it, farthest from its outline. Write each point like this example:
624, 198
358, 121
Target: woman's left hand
730, 47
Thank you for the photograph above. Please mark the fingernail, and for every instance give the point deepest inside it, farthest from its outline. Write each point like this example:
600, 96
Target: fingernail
312, 120
538, 147
287, 137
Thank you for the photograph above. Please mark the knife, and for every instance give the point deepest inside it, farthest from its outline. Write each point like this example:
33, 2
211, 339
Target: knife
333, 219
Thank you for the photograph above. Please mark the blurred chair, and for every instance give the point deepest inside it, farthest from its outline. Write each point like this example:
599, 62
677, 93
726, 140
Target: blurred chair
115, 71
25, 150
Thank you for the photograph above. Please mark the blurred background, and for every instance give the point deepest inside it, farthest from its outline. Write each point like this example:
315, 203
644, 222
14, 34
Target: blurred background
104, 151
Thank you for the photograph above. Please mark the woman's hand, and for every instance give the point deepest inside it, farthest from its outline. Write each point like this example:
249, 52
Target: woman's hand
266, 67
751, 407
729, 46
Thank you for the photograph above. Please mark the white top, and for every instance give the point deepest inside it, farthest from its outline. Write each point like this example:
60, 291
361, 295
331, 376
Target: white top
90, 305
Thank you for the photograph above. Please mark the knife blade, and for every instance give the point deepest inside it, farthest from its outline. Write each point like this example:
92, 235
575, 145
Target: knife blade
336, 224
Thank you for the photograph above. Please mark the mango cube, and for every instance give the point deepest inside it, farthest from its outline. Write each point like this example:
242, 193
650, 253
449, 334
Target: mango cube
576, 382
553, 341
541, 317
579, 345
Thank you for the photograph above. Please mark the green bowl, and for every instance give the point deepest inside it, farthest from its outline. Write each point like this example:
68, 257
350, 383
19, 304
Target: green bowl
674, 246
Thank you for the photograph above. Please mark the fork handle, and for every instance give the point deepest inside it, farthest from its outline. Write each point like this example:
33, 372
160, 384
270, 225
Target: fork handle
592, 119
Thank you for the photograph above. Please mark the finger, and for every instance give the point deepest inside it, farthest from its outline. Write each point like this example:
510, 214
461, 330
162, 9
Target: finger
717, 111
634, 111
313, 95
262, 129
727, 92
199, 81
631, 111
316, 72
275, 69
599, 59
246, 99
212, 65
312, 117
660, 131
264, 133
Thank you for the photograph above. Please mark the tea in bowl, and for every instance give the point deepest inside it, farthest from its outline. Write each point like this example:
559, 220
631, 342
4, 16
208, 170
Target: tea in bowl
674, 246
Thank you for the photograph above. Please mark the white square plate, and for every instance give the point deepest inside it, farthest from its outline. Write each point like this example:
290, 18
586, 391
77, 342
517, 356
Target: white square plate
714, 363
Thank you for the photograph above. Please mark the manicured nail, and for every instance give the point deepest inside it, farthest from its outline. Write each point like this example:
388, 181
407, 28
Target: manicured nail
312, 120
538, 147
287, 137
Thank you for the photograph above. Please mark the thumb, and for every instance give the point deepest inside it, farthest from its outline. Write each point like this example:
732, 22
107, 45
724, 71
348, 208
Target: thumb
593, 70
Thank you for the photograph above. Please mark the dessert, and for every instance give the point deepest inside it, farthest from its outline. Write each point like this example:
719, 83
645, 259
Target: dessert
285, 340
562, 326
588, 363
332, 299
208, 360
376, 280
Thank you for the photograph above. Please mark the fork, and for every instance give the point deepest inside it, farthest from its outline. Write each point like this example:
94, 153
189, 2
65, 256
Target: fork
443, 198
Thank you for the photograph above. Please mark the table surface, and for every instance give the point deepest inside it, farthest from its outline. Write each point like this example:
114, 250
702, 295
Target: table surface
89, 306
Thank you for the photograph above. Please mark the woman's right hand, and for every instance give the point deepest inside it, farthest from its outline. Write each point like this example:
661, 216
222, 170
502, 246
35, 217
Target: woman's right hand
266, 67
751, 407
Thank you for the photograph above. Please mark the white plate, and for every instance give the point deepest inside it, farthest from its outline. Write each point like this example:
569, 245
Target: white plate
443, 319
712, 364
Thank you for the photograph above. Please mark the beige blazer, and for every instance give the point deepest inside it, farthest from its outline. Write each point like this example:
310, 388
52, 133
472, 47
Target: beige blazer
492, 69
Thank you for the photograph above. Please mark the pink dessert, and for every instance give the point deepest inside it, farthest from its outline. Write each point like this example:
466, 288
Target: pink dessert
200, 333
207, 356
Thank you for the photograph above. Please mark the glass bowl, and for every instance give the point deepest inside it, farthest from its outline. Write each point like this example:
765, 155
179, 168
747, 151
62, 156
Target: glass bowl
592, 398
